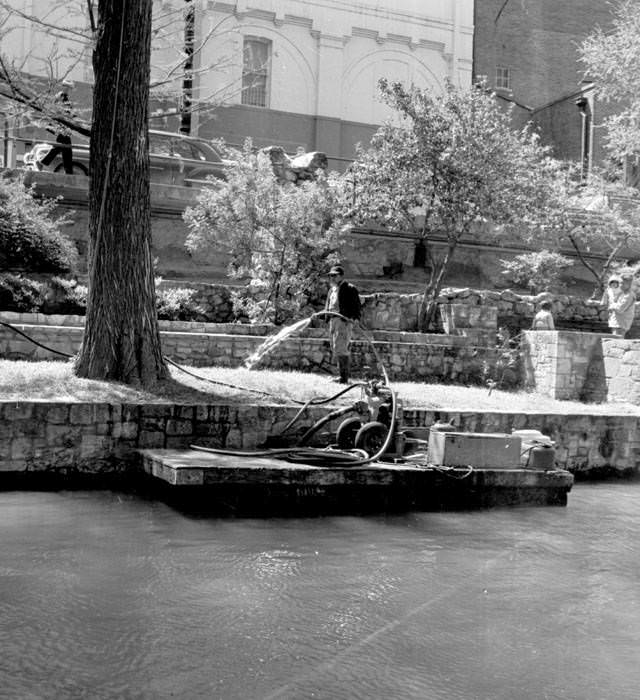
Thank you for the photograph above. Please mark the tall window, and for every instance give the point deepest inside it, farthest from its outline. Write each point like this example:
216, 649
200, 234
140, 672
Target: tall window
255, 71
503, 78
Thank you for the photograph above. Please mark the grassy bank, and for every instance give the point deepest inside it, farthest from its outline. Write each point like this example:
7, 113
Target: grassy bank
55, 381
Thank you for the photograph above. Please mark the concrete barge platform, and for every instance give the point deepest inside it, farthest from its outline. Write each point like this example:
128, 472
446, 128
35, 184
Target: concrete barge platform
264, 486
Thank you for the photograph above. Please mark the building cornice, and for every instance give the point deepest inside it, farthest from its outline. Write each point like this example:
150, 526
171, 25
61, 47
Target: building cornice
242, 9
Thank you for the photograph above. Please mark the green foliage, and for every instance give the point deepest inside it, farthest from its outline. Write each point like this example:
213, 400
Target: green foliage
30, 235
65, 296
281, 237
504, 371
449, 164
611, 60
20, 294
178, 305
537, 270
602, 224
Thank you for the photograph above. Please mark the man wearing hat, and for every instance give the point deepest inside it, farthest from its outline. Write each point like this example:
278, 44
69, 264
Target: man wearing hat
343, 298
622, 308
63, 134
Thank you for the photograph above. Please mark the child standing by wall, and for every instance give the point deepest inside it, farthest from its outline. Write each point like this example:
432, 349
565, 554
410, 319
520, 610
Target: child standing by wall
611, 293
543, 320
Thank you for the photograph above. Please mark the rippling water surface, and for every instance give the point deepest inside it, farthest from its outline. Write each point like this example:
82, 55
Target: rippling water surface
109, 596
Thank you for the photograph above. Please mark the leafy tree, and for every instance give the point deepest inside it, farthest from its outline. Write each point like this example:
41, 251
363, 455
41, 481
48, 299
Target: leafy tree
602, 225
448, 165
30, 235
611, 61
280, 236
537, 270
121, 340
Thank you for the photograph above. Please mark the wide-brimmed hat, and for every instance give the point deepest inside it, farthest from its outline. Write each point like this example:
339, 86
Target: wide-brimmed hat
626, 276
67, 83
336, 270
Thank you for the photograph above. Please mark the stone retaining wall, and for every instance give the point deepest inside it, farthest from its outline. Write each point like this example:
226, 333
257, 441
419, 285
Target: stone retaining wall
394, 311
516, 311
38, 319
562, 364
588, 367
614, 372
94, 439
433, 357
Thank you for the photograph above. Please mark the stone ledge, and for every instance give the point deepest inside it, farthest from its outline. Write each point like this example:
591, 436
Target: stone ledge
41, 437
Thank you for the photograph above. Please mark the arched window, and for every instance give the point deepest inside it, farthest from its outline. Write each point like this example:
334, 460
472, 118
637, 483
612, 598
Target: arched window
256, 64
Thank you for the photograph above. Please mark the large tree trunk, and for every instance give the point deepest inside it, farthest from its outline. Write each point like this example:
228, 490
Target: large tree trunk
121, 338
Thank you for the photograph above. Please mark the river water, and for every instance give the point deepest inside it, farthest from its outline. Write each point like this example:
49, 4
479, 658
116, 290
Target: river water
104, 595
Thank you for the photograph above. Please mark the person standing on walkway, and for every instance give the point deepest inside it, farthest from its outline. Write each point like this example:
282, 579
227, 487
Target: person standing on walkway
343, 298
622, 309
63, 134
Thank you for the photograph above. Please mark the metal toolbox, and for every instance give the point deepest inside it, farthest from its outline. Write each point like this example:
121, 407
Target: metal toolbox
478, 450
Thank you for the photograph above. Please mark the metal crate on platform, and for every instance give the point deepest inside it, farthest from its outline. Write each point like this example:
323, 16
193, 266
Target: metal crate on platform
478, 450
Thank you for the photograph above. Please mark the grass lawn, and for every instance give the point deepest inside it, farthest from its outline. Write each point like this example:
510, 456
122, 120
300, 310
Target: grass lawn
54, 381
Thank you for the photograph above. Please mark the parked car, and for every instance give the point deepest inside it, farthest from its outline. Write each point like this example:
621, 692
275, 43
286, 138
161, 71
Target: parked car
175, 159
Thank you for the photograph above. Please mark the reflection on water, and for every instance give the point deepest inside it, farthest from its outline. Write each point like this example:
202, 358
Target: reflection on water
108, 596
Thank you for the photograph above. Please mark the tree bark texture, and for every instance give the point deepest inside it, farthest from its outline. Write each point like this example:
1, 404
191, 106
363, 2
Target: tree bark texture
121, 338
429, 302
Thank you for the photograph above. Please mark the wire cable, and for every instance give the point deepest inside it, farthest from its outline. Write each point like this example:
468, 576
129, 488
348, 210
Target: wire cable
318, 456
304, 404
35, 342
307, 455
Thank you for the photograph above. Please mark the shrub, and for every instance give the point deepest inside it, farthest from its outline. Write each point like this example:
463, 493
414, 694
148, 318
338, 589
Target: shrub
178, 305
20, 294
537, 271
65, 296
30, 235
504, 371
280, 237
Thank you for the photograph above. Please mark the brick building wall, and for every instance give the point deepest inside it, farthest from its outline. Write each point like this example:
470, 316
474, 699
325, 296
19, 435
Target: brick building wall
537, 42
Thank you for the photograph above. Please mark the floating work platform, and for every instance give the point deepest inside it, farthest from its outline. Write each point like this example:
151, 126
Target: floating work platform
264, 486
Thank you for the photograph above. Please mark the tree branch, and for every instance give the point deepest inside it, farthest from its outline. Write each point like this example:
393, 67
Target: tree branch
582, 259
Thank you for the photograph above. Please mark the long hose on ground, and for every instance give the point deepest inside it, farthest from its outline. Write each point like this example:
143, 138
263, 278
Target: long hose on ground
323, 456
326, 457
35, 342
302, 454
304, 404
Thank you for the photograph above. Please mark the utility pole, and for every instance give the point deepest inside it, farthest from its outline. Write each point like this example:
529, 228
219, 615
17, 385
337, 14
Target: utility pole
187, 79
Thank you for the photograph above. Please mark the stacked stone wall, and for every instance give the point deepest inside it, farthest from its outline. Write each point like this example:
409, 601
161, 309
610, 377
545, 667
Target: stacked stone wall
616, 371
563, 364
99, 439
414, 356
395, 311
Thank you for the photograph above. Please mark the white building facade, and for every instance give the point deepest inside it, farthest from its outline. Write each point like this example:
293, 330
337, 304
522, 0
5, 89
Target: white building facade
304, 73
295, 73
